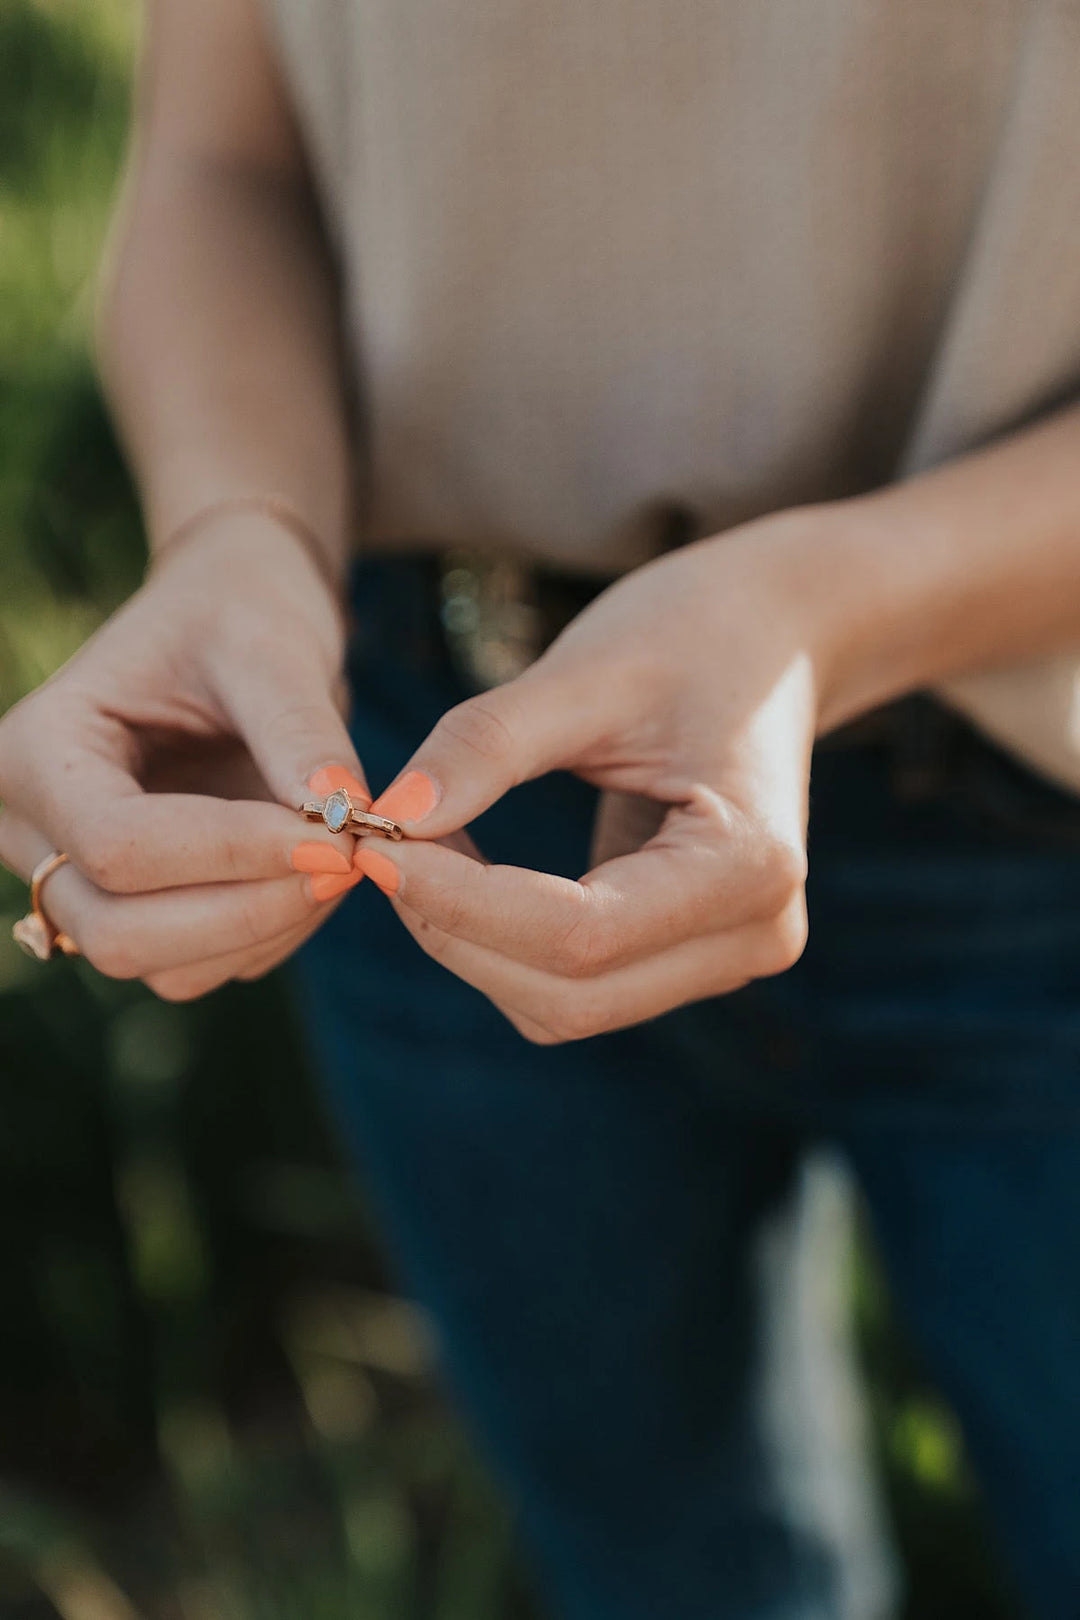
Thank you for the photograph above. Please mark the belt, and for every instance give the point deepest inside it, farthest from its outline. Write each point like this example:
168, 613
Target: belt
496, 615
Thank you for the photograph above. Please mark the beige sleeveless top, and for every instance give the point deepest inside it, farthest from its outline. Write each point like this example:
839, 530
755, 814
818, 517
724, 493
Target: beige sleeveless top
617, 265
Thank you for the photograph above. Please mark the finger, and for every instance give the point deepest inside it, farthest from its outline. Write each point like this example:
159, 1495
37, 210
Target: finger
525, 1026
573, 1009
88, 804
197, 979
285, 707
200, 978
706, 872
132, 936
484, 747
281, 950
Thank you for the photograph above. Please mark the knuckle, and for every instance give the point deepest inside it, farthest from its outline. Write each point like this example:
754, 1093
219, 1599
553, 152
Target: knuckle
782, 873
298, 719
535, 1034
286, 718
106, 859
434, 941
178, 987
252, 924
234, 863
580, 1027
576, 1019
788, 934
108, 952
453, 916
585, 948
788, 863
478, 726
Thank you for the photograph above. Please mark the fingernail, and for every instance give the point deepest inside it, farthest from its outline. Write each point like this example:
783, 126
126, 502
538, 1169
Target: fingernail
331, 777
379, 868
319, 858
411, 799
327, 885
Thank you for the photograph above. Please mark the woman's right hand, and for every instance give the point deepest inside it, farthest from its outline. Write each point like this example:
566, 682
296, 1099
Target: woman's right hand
154, 757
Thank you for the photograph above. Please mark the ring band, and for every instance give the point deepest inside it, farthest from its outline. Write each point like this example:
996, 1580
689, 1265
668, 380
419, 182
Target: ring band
338, 812
35, 933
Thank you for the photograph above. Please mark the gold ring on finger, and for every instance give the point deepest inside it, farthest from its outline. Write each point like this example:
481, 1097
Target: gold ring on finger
36, 935
338, 812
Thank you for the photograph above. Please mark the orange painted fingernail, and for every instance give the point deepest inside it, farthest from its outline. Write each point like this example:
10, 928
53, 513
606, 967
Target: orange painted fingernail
411, 799
319, 858
331, 777
327, 885
379, 868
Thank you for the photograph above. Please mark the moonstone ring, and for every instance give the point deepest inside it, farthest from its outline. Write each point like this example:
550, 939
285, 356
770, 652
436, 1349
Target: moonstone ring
338, 812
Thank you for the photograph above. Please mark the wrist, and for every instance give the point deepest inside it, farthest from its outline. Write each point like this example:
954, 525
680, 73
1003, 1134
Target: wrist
274, 510
246, 580
868, 584
806, 579
864, 609
970, 567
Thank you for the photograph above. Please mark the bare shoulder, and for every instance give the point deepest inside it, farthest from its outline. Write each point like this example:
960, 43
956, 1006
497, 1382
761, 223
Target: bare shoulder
210, 85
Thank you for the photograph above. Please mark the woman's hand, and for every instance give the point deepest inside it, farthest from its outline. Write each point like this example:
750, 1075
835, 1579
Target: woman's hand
695, 684
153, 759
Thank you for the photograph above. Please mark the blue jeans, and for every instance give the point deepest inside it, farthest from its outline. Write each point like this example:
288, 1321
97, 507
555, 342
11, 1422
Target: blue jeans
628, 1245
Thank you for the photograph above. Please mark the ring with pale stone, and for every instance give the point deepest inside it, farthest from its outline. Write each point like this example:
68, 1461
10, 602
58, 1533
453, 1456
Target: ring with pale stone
338, 812
35, 933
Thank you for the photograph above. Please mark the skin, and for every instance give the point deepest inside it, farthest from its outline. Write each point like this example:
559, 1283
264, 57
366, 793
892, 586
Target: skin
692, 693
155, 757
161, 757
166, 757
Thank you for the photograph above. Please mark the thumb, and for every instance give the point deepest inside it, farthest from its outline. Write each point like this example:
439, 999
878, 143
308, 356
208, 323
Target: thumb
484, 747
289, 712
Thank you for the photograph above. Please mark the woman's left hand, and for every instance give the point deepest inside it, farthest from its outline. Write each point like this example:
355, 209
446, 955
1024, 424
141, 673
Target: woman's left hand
698, 683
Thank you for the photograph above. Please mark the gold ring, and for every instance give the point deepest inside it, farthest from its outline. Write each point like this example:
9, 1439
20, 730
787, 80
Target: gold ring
338, 812
34, 932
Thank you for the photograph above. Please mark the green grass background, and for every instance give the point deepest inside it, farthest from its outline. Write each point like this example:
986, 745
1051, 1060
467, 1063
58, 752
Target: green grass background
212, 1405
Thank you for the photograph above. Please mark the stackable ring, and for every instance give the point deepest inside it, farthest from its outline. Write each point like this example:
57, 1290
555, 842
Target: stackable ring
35, 933
338, 812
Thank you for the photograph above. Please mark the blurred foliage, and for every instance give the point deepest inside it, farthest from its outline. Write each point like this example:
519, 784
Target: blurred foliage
211, 1405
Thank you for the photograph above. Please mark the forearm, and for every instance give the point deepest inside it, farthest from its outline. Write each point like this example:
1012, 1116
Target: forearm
219, 347
973, 566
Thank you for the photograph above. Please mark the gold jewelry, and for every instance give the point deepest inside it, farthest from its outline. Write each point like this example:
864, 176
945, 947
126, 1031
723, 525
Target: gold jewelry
34, 932
275, 507
340, 814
